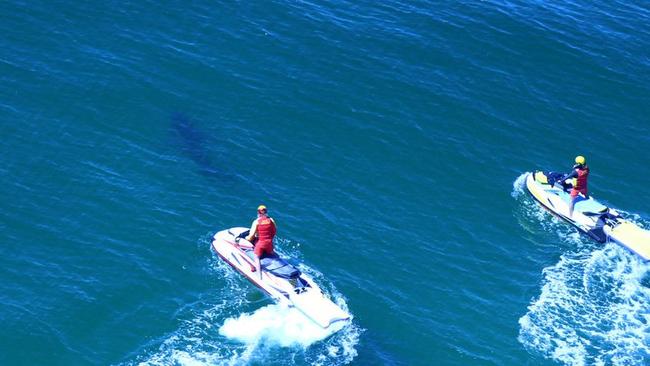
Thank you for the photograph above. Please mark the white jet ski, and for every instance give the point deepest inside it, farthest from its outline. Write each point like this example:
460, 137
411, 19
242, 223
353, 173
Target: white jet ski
598, 221
280, 280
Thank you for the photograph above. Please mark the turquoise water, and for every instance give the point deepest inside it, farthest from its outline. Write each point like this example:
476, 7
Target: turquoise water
389, 141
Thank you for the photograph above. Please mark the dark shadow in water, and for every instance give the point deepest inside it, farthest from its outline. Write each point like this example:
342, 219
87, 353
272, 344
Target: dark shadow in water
193, 143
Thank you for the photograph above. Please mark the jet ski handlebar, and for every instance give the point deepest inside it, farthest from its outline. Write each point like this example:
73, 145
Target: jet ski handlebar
242, 242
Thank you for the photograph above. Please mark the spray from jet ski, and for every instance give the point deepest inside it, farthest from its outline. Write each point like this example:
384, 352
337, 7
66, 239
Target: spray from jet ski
276, 324
593, 305
223, 329
279, 279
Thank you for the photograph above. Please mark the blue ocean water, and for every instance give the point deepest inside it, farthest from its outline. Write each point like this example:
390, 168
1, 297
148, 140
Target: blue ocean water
389, 141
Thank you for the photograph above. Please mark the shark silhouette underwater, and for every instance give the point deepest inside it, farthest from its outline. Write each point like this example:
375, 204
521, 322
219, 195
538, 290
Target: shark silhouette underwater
193, 143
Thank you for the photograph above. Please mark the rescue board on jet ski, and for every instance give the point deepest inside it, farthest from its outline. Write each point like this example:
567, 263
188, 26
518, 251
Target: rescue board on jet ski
279, 279
598, 221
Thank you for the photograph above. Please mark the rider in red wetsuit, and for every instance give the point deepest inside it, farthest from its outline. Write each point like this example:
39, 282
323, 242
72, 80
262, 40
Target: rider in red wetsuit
579, 175
264, 228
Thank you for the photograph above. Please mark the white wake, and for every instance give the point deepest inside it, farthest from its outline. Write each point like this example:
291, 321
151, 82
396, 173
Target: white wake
594, 304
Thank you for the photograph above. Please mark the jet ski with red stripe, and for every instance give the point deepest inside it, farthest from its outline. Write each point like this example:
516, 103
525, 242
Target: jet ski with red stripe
279, 279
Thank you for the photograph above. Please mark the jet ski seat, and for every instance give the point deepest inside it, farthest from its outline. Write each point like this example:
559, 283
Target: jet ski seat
272, 263
279, 267
584, 204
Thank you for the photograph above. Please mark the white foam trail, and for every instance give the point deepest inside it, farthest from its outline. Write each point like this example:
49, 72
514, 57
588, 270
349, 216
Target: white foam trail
519, 185
594, 305
275, 324
281, 326
184, 358
593, 309
219, 334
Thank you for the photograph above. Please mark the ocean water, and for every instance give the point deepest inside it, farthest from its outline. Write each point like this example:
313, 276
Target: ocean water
389, 141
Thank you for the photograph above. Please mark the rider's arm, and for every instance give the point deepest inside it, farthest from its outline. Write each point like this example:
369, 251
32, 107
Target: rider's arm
252, 232
571, 175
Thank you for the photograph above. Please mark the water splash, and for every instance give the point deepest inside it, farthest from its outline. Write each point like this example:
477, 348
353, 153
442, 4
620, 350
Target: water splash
519, 185
280, 326
231, 332
594, 305
593, 309
276, 325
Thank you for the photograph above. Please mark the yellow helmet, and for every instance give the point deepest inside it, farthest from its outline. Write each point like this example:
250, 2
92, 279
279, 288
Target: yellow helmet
261, 208
580, 160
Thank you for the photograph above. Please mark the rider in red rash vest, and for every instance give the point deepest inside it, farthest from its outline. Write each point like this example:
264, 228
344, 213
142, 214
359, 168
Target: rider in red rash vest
264, 229
579, 174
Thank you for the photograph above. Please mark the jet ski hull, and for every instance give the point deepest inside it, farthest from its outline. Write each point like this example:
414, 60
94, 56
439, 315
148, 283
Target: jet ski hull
590, 217
279, 280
